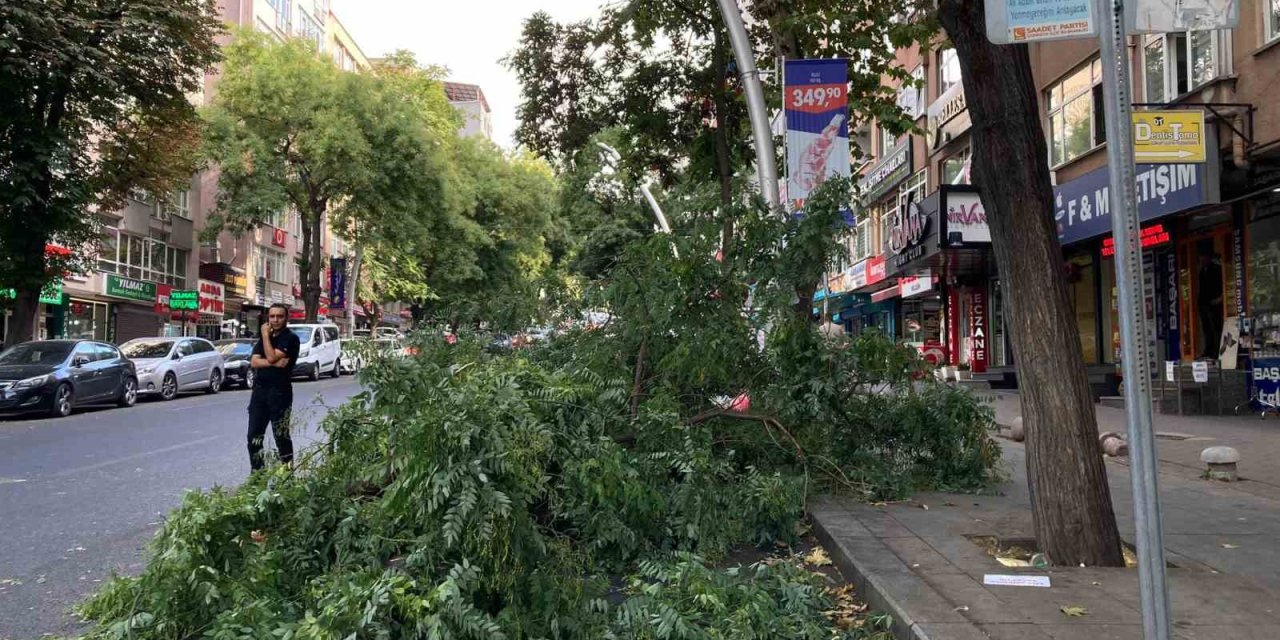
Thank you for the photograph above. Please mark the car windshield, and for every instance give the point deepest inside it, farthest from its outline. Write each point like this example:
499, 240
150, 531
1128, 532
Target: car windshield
47, 353
303, 333
235, 348
146, 348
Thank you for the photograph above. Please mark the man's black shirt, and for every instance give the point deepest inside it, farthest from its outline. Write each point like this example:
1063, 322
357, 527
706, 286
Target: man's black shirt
278, 377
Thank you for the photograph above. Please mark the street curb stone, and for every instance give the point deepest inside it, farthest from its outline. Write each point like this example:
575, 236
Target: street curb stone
884, 582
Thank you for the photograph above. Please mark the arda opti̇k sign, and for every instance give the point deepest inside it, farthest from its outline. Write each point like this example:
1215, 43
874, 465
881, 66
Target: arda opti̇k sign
816, 102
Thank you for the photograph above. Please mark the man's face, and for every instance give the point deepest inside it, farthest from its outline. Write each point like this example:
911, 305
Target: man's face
276, 319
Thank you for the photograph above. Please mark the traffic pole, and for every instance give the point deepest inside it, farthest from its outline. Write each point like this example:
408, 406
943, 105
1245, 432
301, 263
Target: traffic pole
761, 132
1135, 363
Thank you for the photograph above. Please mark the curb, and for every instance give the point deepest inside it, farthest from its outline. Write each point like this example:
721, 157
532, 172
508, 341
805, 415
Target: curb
884, 582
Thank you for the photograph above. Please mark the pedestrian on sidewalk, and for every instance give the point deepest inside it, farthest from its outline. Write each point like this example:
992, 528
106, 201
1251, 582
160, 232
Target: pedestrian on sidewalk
271, 401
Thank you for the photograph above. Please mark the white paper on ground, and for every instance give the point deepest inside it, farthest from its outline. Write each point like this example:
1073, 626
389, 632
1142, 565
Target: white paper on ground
1015, 581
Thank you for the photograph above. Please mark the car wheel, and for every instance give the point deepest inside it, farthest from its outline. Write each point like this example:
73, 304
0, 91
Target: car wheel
248, 379
128, 393
337, 368
169, 387
314, 373
63, 400
215, 382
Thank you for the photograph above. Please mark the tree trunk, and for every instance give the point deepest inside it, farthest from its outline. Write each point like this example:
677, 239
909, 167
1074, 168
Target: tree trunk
312, 227
353, 276
22, 320
1070, 499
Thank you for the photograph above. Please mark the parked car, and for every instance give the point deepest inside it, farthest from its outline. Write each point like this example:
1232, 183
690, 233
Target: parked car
351, 352
168, 366
320, 352
235, 360
55, 376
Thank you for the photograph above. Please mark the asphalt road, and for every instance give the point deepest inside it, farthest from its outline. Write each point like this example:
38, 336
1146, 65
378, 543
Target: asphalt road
81, 496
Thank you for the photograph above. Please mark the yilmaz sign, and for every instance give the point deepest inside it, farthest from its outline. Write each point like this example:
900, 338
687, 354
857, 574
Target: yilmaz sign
1082, 207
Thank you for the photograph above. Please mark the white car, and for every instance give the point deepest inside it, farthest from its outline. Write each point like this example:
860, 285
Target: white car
352, 360
168, 366
320, 353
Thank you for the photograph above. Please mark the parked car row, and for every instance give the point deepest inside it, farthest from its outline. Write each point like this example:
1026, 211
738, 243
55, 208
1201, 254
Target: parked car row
56, 376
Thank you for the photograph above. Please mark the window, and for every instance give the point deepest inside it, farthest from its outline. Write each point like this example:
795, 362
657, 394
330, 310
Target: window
1176, 63
277, 219
1270, 20
862, 241
142, 258
913, 189
179, 204
887, 140
1076, 123
284, 12
955, 169
884, 220
948, 70
911, 94
310, 29
271, 265
104, 352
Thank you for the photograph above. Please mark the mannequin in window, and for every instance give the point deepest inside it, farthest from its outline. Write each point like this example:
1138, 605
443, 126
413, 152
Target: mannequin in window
1209, 301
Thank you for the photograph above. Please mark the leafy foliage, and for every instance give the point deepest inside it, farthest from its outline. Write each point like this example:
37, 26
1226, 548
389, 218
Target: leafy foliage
93, 105
574, 490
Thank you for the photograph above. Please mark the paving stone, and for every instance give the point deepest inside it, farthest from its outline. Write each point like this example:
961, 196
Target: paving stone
1225, 632
913, 599
1003, 631
1088, 630
919, 556
974, 601
946, 631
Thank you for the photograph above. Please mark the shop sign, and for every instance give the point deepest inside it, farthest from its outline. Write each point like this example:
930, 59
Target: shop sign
966, 217
875, 269
1238, 266
908, 229
858, 275
948, 117
1171, 136
1082, 207
277, 297
130, 289
1266, 380
914, 234
816, 105
212, 298
184, 300
51, 293
916, 285
886, 174
278, 237
1152, 236
978, 331
1172, 338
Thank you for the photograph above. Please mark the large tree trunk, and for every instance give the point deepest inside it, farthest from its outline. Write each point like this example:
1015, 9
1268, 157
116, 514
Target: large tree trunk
724, 155
353, 276
312, 227
1070, 499
22, 320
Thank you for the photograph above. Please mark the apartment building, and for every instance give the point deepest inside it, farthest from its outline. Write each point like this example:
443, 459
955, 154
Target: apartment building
470, 101
151, 246
922, 268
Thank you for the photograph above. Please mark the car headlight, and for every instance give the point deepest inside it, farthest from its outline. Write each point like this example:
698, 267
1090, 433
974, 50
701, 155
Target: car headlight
31, 383
144, 371
304, 352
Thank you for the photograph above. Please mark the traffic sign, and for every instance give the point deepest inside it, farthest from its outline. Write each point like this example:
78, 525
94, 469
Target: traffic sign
1169, 136
184, 300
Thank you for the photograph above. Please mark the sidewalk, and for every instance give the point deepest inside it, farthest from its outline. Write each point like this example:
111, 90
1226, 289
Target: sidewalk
914, 561
1257, 440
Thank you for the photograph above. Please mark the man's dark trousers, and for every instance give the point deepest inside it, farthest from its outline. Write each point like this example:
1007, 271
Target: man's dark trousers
274, 406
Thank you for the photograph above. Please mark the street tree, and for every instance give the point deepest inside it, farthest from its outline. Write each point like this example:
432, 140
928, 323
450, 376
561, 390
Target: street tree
1070, 498
93, 105
289, 130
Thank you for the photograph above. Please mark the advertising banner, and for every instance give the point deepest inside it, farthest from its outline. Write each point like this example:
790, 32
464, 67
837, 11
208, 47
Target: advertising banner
1266, 380
1016, 21
816, 102
212, 298
338, 283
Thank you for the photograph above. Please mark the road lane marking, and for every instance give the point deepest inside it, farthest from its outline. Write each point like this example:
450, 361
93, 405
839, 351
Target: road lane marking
11, 480
136, 456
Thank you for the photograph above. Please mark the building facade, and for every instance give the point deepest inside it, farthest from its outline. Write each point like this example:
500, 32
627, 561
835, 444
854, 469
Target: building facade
470, 101
922, 270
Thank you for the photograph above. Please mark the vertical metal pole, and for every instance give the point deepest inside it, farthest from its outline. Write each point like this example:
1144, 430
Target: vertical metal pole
1133, 321
766, 161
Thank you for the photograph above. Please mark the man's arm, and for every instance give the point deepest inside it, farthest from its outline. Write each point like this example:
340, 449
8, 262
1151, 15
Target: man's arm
257, 360
272, 354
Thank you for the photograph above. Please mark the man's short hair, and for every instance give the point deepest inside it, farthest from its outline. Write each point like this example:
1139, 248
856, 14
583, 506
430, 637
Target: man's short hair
281, 306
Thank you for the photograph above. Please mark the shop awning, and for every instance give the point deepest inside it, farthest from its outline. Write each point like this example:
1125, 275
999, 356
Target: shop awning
886, 294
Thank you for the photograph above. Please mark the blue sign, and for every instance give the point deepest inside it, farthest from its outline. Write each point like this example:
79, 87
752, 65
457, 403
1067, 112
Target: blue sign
338, 283
1266, 380
816, 103
1082, 207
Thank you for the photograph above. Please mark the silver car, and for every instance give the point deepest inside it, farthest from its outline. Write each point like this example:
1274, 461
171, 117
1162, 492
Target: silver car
167, 366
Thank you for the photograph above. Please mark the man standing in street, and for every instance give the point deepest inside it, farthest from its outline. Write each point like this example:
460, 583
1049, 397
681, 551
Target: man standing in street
272, 400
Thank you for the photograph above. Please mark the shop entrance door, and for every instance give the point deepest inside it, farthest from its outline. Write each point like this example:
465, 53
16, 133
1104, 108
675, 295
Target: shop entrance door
1205, 274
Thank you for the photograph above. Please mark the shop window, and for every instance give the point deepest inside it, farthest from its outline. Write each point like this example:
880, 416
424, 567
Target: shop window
1264, 285
1076, 122
914, 189
955, 169
948, 70
1175, 64
1084, 300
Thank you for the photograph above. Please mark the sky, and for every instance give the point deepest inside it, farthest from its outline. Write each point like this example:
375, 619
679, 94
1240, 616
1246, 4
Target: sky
468, 37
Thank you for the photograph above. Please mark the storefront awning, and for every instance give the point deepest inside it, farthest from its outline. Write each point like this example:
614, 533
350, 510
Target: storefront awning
886, 294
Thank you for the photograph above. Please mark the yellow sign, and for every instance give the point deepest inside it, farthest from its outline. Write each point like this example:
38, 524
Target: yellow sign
1168, 136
